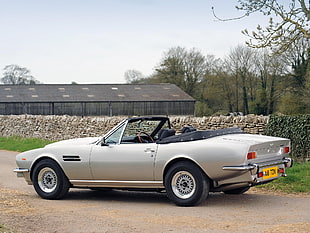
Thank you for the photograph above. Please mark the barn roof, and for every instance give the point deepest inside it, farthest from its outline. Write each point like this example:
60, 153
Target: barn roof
91, 93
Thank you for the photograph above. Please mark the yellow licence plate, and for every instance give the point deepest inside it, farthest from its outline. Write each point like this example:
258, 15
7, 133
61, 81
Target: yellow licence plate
270, 172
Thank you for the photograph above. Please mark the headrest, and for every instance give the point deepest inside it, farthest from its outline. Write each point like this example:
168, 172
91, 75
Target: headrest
163, 133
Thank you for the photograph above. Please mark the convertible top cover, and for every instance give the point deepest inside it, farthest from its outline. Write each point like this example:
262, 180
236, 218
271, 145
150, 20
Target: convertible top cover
199, 135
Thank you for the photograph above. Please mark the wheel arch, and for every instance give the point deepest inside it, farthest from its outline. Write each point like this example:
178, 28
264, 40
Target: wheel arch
182, 159
45, 157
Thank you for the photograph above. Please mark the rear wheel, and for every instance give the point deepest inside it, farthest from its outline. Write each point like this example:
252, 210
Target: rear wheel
237, 191
49, 181
186, 184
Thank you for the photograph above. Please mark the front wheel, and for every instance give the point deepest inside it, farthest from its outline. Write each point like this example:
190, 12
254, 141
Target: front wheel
49, 181
186, 184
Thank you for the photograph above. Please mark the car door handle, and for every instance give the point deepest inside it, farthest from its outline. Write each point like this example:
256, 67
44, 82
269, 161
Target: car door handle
149, 150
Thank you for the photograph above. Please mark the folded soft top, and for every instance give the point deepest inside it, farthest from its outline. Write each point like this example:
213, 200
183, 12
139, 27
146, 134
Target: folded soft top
199, 135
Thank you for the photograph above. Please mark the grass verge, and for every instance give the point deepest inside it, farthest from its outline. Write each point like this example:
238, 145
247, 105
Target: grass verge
297, 180
4, 229
21, 144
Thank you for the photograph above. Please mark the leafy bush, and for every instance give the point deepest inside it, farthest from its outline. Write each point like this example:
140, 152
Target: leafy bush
296, 128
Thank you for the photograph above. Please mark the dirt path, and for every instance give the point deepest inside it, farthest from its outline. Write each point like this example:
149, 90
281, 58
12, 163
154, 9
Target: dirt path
21, 210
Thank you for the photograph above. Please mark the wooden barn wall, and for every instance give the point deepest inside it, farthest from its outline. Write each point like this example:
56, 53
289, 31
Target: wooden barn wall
100, 108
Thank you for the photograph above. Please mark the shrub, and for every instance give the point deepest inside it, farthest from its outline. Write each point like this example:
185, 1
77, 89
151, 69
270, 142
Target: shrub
296, 128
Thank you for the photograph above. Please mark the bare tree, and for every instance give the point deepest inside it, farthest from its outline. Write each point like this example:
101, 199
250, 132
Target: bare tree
16, 75
298, 58
184, 68
240, 62
270, 70
171, 69
133, 76
291, 24
288, 22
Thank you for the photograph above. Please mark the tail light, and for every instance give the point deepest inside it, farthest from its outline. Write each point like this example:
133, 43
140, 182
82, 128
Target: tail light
251, 155
286, 149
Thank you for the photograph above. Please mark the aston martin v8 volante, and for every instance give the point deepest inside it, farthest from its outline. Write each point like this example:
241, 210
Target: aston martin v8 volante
145, 153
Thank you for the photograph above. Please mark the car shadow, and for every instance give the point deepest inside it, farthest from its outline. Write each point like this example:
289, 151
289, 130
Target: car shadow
214, 199
117, 195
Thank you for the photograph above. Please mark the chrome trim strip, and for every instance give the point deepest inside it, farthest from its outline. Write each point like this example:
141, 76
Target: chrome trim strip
240, 168
117, 183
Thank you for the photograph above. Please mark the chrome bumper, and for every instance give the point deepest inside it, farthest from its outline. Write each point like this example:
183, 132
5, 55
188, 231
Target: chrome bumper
20, 171
288, 162
23, 172
251, 167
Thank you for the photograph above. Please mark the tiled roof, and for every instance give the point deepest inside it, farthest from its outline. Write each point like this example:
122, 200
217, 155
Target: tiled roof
92, 93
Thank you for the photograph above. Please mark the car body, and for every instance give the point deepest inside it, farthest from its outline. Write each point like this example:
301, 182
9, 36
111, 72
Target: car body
145, 153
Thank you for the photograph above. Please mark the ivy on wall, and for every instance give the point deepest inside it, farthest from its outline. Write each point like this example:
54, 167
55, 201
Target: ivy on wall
296, 128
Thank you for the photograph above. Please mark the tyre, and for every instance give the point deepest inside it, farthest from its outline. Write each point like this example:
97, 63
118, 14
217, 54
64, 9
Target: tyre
237, 191
186, 184
49, 181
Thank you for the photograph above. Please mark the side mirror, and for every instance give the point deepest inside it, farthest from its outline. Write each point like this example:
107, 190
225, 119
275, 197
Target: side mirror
103, 143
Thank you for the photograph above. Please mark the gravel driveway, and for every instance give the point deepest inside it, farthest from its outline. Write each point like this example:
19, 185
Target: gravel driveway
83, 210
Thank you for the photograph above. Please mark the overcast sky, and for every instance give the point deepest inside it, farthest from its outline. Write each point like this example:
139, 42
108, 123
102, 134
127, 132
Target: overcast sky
97, 41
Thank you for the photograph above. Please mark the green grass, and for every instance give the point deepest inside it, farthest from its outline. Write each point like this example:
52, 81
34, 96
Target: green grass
297, 180
21, 144
4, 229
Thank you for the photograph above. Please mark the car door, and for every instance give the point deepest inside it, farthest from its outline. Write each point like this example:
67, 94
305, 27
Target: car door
123, 162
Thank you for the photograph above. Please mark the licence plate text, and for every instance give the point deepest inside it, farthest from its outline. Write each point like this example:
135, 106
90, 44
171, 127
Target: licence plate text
270, 172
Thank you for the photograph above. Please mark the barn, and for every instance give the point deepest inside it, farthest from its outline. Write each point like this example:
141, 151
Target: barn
95, 99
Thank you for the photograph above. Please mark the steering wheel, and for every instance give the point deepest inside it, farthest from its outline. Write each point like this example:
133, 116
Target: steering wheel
141, 140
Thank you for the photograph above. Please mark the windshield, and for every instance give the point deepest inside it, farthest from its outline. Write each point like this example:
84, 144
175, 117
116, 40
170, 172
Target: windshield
130, 132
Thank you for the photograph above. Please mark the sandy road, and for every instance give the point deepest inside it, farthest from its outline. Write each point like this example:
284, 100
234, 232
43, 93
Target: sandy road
83, 210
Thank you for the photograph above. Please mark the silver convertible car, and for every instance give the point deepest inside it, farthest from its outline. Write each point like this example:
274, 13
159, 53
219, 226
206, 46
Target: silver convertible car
145, 153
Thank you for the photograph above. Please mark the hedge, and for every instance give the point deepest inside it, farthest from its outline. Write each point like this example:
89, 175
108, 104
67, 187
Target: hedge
296, 128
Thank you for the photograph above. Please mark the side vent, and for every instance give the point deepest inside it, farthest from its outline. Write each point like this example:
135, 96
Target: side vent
71, 158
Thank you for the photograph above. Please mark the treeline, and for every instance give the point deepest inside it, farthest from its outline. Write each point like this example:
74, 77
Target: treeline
251, 81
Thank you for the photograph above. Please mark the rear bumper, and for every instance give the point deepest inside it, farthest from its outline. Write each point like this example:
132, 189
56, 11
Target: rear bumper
258, 173
288, 162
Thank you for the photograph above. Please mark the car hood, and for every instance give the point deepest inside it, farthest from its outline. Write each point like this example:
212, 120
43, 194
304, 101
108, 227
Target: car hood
76, 141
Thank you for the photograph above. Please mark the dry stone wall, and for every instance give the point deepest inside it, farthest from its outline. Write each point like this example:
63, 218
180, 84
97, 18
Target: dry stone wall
66, 127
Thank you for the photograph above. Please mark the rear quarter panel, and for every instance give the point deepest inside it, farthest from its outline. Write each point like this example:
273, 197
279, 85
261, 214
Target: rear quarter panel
210, 154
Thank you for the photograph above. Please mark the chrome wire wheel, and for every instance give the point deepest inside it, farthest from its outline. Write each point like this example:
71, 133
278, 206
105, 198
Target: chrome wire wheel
47, 179
183, 184
186, 184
